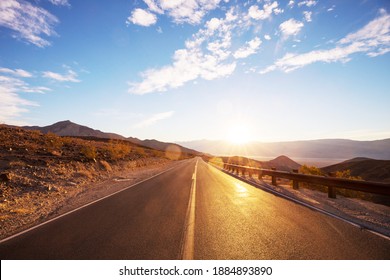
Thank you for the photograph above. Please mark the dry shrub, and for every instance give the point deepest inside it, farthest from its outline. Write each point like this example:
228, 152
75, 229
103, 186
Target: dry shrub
140, 151
89, 152
118, 150
53, 142
312, 170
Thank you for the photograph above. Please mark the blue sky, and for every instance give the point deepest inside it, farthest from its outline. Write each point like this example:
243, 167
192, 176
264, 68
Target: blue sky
186, 70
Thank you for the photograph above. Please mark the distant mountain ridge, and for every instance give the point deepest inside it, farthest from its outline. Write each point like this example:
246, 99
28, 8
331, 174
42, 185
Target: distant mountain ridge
324, 148
68, 128
281, 163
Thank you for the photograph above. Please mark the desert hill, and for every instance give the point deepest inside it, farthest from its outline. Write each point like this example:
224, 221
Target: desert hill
282, 163
368, 169
68, 128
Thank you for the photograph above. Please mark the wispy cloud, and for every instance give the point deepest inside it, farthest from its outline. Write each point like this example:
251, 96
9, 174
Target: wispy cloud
29, 23
17, 72
268, 8
141, 17
373, 39
70, 76
205, 56
60, 2
250, 48
189, 11
307, 15
154, 118
18, 85
12, 105
308, 3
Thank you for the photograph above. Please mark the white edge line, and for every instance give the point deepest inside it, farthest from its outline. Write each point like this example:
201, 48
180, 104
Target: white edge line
85, 205
304, 204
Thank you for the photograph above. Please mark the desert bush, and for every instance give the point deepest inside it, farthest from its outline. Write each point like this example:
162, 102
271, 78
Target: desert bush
53, 141
118, 150
347, 175
312, 170
89, 152
140, 151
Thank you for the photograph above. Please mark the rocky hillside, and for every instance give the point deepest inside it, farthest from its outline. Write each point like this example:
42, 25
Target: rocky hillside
68, 128
366, 168
41, 173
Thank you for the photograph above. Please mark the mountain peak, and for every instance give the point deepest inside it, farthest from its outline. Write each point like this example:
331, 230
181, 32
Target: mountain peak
68, 128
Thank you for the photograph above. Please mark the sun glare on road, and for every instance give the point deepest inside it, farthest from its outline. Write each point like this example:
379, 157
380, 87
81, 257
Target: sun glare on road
241, 190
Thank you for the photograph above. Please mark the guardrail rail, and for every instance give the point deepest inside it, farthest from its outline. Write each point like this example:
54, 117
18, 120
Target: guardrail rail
330, 182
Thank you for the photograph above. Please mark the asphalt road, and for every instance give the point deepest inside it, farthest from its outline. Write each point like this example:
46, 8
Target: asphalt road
195, 211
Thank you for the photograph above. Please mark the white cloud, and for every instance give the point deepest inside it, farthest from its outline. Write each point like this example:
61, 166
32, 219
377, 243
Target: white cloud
17, 72
154, 118
250, 48
213, 24
181, 11
374, 33
28, 22
290, 27
60, 2
380, 51
153, 6
188, 65
331, 8
267, 37
308, 3
307, 16
255, 13
70, 76
291, 3
12, 105
142, 17
373, 39
204, 56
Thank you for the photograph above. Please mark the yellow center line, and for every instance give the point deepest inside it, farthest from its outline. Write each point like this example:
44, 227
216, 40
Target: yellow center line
189, 234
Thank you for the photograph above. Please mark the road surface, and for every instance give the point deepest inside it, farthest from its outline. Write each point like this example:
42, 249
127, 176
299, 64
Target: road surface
195, 211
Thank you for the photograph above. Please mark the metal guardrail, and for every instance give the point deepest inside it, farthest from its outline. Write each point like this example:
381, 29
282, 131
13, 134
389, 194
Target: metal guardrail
331, 182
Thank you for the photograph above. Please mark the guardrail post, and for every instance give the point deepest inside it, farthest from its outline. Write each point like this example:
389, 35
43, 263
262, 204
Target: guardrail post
243, 171
260, 175
331, 190
295, 182
273, 177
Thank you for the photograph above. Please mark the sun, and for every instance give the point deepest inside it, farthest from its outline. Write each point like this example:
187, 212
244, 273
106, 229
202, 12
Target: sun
239, 134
